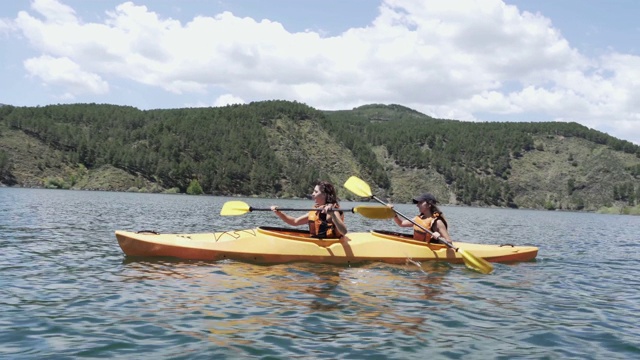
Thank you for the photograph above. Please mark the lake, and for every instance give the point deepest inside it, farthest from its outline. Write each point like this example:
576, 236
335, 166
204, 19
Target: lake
67, 290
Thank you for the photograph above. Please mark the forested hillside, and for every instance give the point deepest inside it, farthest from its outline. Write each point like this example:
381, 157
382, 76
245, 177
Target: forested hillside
279, 148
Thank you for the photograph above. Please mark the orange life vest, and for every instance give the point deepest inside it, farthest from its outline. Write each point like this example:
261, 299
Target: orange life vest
427, 223
321, 225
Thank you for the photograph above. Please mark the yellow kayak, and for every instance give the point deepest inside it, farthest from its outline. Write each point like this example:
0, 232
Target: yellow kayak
269, 245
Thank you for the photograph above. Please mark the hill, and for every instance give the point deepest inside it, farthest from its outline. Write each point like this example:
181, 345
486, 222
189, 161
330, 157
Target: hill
279, 148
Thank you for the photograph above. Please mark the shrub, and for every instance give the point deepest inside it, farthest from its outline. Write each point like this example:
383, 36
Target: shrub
194, 188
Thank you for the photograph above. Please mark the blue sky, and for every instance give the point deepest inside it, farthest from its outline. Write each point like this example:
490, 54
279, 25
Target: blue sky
472, 60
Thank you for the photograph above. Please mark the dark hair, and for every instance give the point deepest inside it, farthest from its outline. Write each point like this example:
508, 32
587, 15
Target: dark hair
330, 192
438, 214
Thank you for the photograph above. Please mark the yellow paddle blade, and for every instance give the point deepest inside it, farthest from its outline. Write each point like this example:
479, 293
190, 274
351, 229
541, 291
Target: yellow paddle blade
358, 187
375, 212
235, 208
476, 263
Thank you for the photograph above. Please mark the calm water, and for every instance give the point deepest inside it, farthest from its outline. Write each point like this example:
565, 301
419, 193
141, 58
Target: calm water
67, 291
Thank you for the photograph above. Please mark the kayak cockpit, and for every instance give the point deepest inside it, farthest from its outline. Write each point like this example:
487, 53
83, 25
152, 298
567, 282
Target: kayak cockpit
403, 237
295, 234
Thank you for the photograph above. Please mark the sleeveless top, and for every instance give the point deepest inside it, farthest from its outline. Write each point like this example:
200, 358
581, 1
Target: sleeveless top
427, 223
321, 225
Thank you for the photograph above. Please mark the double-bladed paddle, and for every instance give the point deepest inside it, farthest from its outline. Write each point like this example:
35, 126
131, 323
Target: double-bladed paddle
371, 212
362, 189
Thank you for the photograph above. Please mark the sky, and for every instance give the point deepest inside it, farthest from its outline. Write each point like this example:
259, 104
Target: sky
470, 60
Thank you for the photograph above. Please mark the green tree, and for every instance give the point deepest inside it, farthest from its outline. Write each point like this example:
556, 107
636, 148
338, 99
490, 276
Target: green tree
4, 161
194, 188
571, 185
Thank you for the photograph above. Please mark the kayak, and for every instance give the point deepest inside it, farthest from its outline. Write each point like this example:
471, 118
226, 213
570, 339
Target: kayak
272, 245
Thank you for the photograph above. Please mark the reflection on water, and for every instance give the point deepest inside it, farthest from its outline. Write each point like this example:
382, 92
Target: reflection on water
67, 291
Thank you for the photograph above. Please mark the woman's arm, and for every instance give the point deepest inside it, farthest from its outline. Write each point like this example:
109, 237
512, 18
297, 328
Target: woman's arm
399, 221
402, 222
338, 222
441, 230
290, 219
336, 218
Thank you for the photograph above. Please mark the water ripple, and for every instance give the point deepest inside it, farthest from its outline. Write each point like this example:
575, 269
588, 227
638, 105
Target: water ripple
68, 292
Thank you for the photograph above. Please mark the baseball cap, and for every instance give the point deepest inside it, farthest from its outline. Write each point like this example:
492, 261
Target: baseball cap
428, 197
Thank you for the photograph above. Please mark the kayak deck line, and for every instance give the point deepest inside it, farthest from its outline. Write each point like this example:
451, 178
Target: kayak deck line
296, 234
271, 245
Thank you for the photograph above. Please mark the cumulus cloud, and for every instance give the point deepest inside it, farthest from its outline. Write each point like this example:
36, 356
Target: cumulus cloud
54, 11
460, 60
227, 99
67, 74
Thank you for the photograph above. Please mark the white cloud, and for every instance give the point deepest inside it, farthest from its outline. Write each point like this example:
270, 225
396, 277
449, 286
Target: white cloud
6, 26
227, 99
54, 11
448, 59
67, 74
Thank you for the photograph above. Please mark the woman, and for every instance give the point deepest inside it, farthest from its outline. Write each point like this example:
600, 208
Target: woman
323, 222
430, 218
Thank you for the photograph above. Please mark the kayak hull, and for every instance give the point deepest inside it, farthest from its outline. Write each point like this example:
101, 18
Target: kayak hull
266, 245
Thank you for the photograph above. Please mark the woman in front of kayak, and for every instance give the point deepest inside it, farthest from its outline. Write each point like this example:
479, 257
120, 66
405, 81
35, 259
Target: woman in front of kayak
430, 217
323, 222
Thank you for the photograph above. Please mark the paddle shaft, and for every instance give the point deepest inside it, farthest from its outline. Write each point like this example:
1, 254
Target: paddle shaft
291, 209
440, 239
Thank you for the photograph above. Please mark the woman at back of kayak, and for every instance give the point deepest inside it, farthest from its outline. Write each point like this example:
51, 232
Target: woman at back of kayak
323, 222
430, 217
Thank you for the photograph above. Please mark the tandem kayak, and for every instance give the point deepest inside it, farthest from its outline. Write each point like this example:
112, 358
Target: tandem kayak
271, 245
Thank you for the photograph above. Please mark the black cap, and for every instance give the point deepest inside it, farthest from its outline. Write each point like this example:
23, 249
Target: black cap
428, 197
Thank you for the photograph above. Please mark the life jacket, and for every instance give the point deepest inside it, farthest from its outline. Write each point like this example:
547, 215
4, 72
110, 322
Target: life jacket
321, 226
427, 223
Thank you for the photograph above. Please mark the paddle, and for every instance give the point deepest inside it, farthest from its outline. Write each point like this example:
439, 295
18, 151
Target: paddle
373, 212
362, 189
